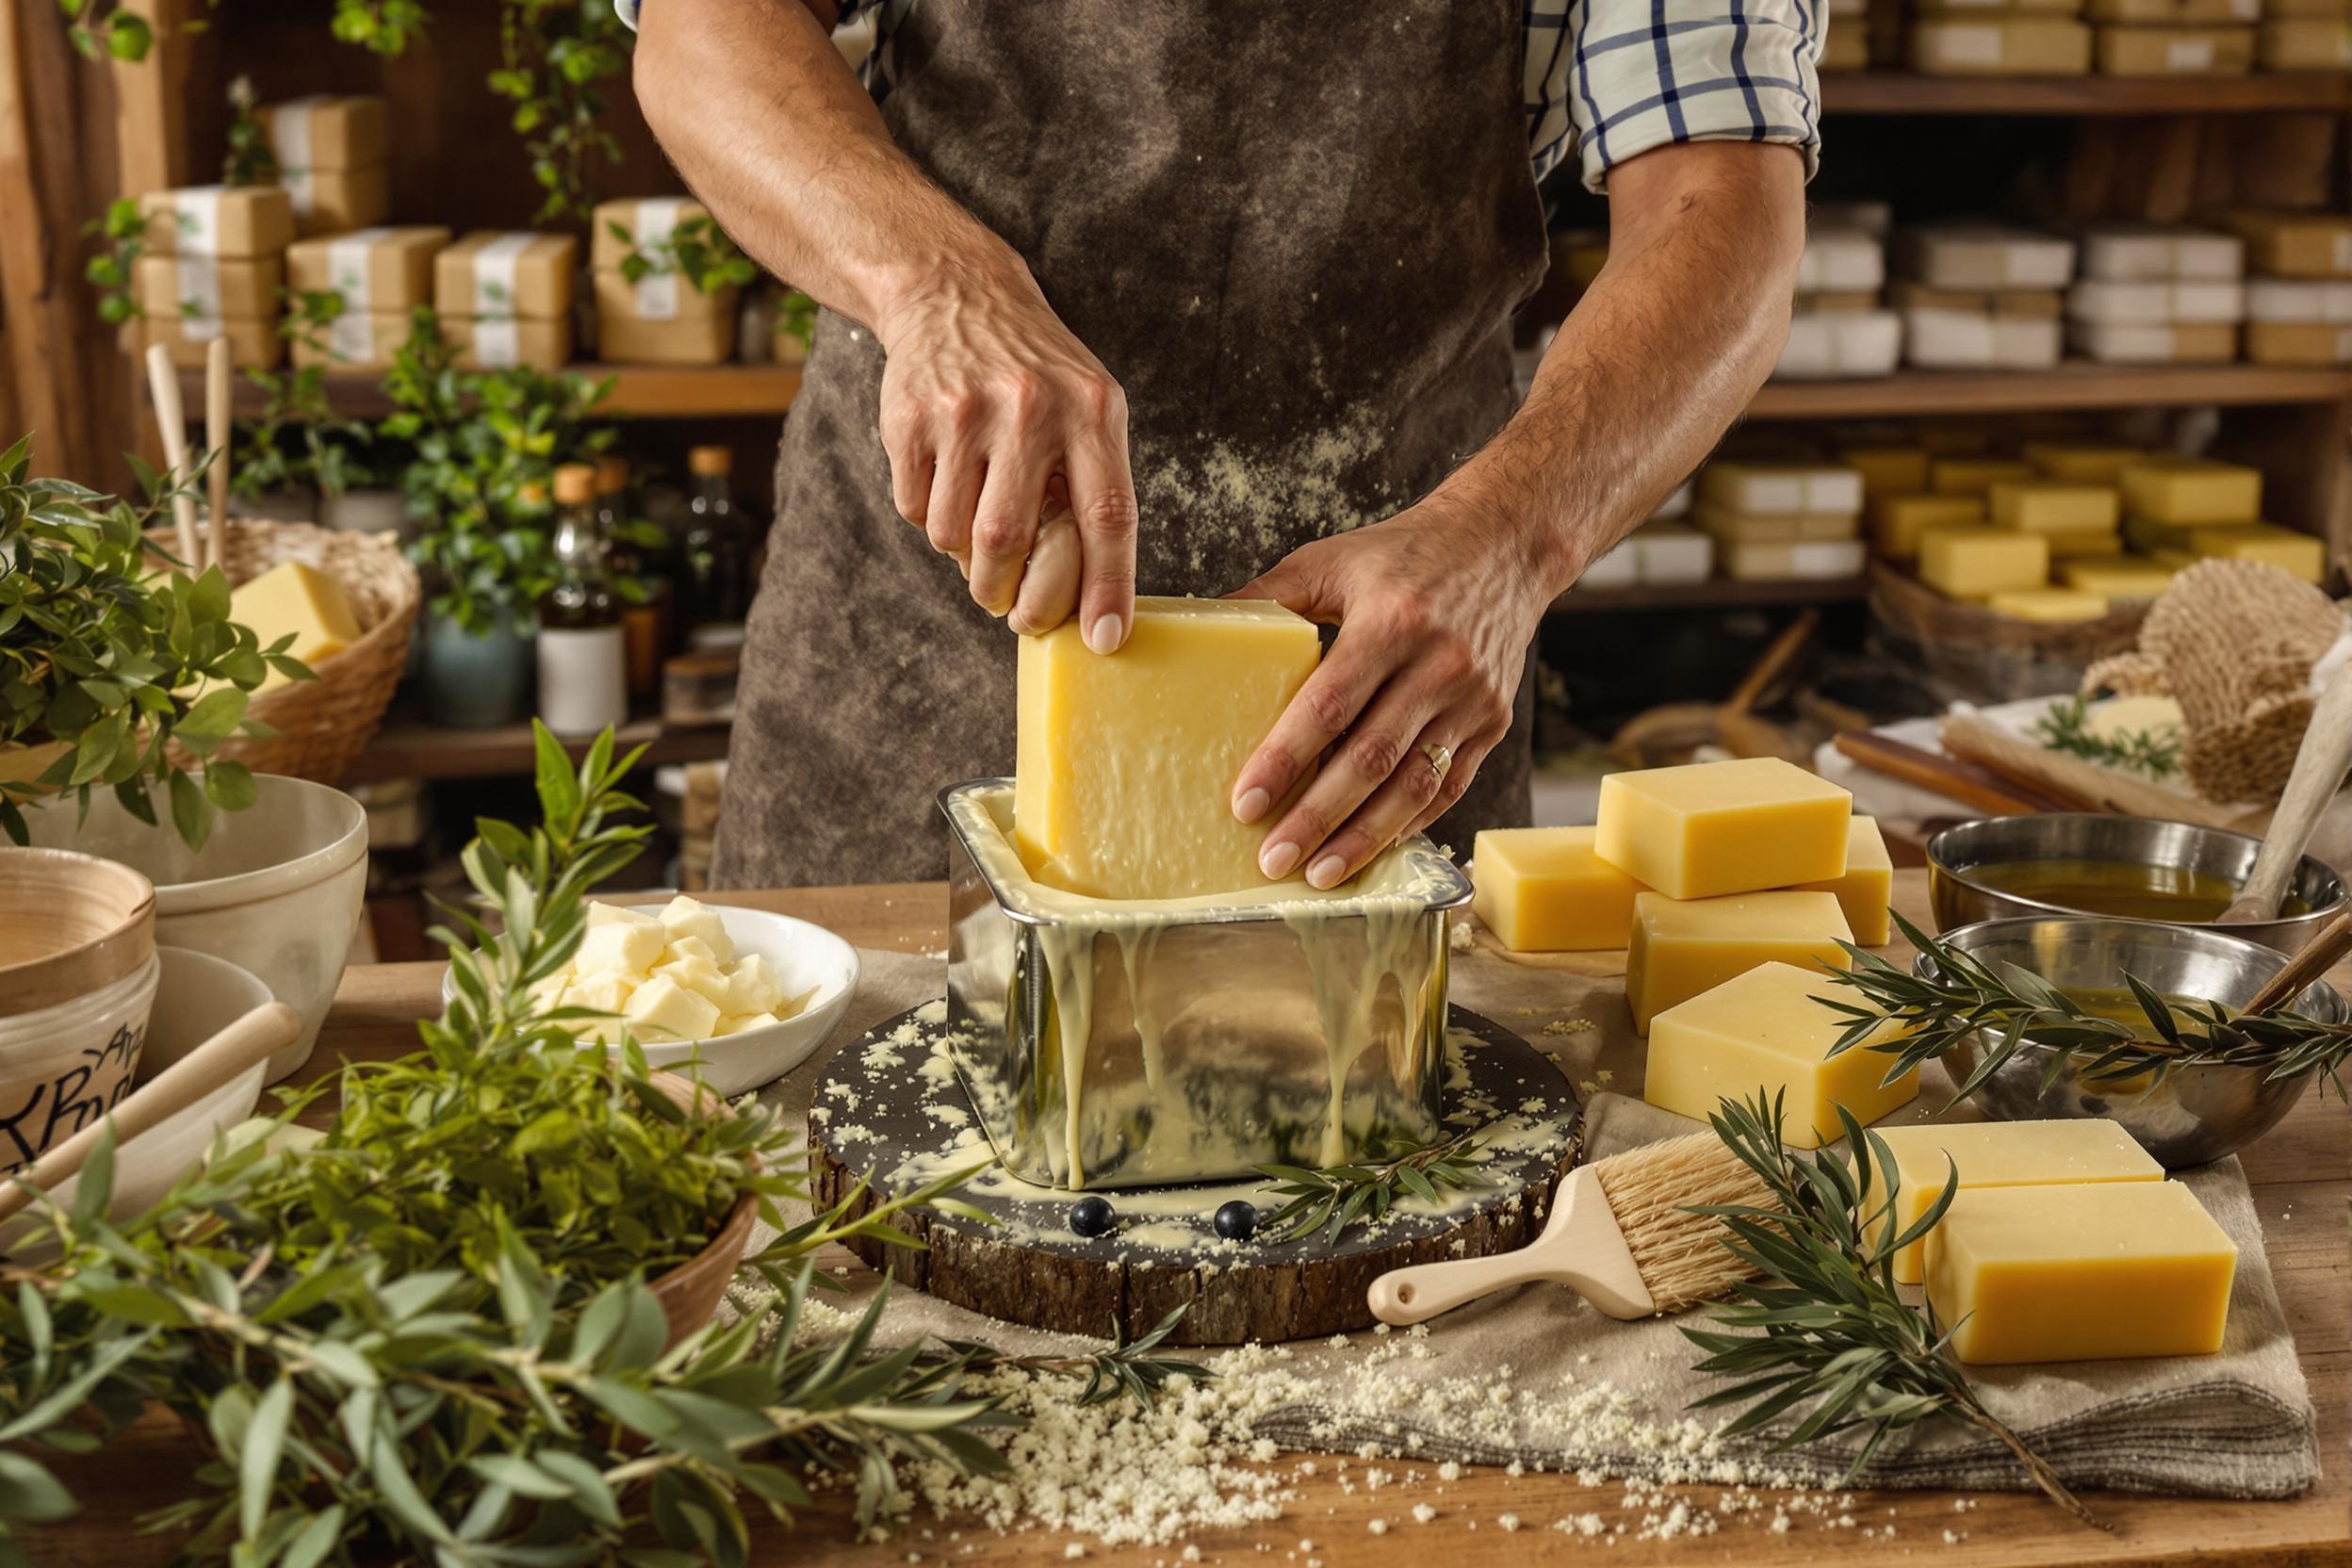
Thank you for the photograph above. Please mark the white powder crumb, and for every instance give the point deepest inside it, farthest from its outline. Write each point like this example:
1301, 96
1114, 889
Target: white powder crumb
1569, 1026
1509, 1521
1380, 1527
1306, 1545
1461, 937
1423, 1514
1450, 1471
1606, 1075
1076, 1549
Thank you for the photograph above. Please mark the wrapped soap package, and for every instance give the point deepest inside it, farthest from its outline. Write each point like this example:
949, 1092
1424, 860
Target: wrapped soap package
254, 342
2185, 344
240, 221
2294, 244
2138, 253
332, 158
209, 288
2013, 44
1984, 256
2176, 50
506, 298
1834, 345
660, 317
371, 269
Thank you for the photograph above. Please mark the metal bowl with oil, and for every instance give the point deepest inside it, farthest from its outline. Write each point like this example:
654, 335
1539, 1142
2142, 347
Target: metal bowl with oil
2096, 863
2194, 1115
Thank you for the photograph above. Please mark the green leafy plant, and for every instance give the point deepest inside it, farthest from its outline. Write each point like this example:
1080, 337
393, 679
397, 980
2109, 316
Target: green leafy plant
1828, 1333
124, 228
697, 249
2008, 1009
2066, 726
299, 439
1125, 1369
109, 660
251, 159
100, 28
381, 26
557, 57
1336, 1196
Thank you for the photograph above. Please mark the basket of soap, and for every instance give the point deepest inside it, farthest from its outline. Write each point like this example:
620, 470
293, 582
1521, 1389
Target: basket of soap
350, 600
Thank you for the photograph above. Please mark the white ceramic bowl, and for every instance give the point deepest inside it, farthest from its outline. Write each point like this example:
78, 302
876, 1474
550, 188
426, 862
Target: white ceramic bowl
64, 1067
806, 958
278, 889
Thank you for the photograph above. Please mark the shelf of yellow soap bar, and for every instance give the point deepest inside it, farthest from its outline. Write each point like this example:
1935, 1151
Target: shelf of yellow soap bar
1768, 1030
1543, 889
1683, 947
1898, 521
1869, 885
2081, 1273
2068, 1152
1711, 828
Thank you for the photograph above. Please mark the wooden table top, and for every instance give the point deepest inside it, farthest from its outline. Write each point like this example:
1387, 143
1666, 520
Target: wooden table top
2301, 1176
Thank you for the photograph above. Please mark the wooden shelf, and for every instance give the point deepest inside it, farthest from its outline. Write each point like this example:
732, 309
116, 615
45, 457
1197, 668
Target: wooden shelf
2075, 384
1716, 593
412, 749
1904, 93
638, 391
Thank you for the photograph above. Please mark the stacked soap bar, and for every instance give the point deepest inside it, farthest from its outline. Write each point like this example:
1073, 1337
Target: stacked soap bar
1664, 549
1777, 521
651, 307
1975, 297
381, 275
2035, 38
2153, 294
506, 298
2175, 38
2299, 301
2314, 37
1767, 1030
334, 159
1840, 327
214, 264
2181, 510
1984, 1154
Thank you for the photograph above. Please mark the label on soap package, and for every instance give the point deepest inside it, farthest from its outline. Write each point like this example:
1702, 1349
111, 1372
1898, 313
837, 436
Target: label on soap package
656, 292
348, 263
495, 267
289, 139
498, 343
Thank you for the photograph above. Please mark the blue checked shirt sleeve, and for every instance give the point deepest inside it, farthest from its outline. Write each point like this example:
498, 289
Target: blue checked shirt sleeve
1619, 77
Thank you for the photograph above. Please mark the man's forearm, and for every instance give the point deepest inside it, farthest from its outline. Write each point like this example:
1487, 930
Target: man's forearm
774, 133
1662, 353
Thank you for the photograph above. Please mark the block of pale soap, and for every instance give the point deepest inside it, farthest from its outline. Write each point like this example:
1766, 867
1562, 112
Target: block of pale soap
2299, 299
2297, 343
2040, 305
1970, 563
2176, 343
297, 599
2067, 543
2075, 464
1868, 887
628, 948
1975, 476
2048, 506
2148, 51
1766, 489
1766, 1030
1614, 567
1775, 527
2137, 251
662, 1008
2002, 1155
1838, 344
1127, 760
1543, 889
2081, 1273
1814, 561
1682, 947
2306, 43
2053, 606
1677, 502
1938, 340
2122, 577
2157, 300
1897, 521
1838, 260
1984, 256
686, 917
2151, 537
1672, 552
2003, 44
1887, 470
2290, 549
1708, 828
2187, 490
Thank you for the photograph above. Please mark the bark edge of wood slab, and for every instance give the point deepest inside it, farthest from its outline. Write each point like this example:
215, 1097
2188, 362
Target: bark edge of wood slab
1299, 1290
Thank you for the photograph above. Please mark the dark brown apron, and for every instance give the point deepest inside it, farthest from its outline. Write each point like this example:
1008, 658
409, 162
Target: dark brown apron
1293, 233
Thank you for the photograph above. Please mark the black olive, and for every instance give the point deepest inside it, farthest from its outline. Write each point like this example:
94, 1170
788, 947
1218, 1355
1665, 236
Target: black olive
1092, 1216
1235, 1220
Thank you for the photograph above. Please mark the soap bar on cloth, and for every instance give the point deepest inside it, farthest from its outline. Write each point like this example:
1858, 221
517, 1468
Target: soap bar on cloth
2003, 1154
293, 596
1868, 889
1542, 889
1683, 946
1709, 829
1766, 1031
2082, 1273
1127, 760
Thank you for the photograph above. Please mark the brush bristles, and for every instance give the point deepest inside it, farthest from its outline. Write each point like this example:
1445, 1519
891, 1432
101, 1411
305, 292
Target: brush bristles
1681, 1255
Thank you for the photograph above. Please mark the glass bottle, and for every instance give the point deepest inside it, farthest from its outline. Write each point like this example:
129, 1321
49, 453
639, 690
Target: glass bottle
716, 566
582, 650
636, 557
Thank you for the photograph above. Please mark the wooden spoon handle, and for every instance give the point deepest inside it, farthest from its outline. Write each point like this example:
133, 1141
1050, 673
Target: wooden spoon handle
246, 1043
218, 371
2319, 769
163, 385
2329, 943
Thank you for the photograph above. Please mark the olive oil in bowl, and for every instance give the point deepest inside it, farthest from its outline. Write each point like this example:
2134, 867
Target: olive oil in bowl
2178, 894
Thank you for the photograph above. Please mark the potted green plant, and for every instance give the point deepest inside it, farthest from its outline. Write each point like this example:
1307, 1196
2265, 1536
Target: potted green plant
484, 443
300, 457
108, 663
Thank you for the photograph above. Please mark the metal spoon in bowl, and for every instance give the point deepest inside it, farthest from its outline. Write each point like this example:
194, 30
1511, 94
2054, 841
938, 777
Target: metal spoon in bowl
2319, 769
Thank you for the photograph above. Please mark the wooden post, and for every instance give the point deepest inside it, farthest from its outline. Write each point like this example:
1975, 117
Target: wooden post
150, 95
41, 296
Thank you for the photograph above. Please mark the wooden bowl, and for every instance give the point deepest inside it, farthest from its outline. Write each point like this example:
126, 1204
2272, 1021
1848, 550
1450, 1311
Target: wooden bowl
70, 924
689, 1294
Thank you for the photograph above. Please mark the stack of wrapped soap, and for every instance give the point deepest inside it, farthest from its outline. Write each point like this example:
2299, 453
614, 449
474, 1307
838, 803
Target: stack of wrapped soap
2178, 510
1846, 43
214, 264
650, 307
332, 157
1783, 521
1898, 500
2153, 294
1663, 550
381, 276
506, 298
2074, 519
2298, 301
1840, 327
2175, 38
2021, 37
2113, 574
2306, 35
1978, 297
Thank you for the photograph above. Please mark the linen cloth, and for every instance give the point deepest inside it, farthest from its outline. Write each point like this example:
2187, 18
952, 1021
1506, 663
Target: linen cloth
2239, 1424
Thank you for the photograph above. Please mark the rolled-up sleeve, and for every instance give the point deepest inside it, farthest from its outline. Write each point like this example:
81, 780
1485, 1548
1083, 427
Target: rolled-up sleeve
1635, 75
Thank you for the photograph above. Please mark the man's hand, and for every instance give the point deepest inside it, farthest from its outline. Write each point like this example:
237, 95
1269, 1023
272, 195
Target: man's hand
1009, 448
1435, 607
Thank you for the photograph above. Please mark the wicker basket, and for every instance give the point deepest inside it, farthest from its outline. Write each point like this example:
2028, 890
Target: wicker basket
1969, 654
323, 725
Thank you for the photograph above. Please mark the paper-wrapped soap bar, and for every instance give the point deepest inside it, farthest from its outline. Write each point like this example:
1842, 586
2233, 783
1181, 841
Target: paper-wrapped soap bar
1793, 488
2296, 244
2307, 43
217, 221
2176, 50
330, 201
500, 343
372, 270
491, 275
1984, 256
2011, 45
322, 131
2297, 343
254, 341
2153, 343
2139, 252
210, 287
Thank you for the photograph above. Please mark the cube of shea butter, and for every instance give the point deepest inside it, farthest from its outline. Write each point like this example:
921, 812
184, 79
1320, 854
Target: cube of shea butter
740, 1022
1868, 886
2067, 1153
689, 947
606, 993
625, 947
684, 917
1764, 1030
663, 1009
1543, 889
1126, 761
698, 975
752, 987
2081, 1273
1709, 829
1682, 947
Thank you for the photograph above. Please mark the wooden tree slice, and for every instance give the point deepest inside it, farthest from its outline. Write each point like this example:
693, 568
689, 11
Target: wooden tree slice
892, 1111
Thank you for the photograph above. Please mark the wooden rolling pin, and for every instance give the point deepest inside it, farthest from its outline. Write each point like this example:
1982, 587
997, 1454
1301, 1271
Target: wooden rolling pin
1965, 782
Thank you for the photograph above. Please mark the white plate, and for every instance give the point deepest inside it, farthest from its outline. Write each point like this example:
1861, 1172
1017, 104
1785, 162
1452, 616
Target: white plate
806, 958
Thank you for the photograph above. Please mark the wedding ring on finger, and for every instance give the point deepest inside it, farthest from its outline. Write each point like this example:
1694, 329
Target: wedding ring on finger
1441, 758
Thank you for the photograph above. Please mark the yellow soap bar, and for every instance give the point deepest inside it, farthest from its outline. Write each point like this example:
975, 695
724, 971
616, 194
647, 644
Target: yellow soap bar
1543, 889
2083, 1273
1888, 470
2304, 554
2050, 605
1897, 521
1961, 475
1683, 946
2118, 576
2003, 1154
1970, 563
1709, 829
299, 599
2082, 464
1764, 1030
2068, 544
2147, 533
2047, 506
1127, 760
1868, 886
2181, 490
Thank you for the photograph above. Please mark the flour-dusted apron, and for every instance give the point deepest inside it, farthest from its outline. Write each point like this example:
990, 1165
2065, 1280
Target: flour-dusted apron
1294, 234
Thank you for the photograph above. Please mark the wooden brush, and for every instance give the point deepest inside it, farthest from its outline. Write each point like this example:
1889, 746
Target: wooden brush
1620, 1233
